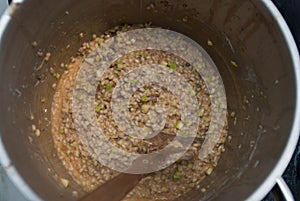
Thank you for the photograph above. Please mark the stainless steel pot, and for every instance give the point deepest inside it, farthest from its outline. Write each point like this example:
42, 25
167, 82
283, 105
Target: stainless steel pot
263, 90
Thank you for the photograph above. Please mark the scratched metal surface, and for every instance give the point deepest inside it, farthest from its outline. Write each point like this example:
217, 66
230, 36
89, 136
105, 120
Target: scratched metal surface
290, 10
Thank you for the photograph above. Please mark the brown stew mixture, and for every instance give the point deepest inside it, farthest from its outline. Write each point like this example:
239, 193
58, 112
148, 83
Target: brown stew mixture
167, 184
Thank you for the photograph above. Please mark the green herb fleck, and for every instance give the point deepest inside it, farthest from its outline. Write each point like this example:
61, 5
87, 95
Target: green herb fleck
193, 92
176, 178
117, 71
97, 58
222, 106
179, 125
100, 40
184, 134
99, 107
201, 113
119, 63
172, 65
190, 91
108, 87
144, 99
57, 75
80, 96
114, 150
188, 123
62, 131
190, 165
143, 54
233, 63
176, 143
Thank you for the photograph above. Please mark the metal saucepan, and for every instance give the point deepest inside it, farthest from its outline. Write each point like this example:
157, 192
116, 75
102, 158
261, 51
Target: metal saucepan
250, 32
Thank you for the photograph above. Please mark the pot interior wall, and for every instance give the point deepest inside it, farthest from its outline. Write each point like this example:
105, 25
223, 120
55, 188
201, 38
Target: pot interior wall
261, 90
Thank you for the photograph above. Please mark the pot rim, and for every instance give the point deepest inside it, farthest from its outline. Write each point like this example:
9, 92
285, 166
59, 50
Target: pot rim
5, 162
274, 175
290, 147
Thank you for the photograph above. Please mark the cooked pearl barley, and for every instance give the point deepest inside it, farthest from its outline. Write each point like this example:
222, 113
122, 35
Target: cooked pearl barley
85, 170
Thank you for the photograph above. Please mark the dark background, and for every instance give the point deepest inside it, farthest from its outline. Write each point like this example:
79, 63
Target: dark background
290, 9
